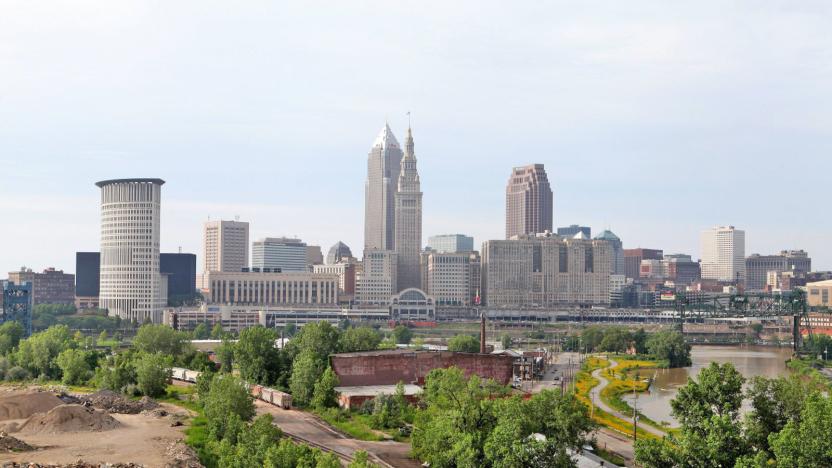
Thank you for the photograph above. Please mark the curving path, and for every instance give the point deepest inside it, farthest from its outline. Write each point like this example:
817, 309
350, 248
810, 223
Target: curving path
595, 395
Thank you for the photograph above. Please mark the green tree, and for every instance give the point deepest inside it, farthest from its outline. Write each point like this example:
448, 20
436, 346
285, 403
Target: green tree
616, 340
152, 373
217, 332
74, 367
708, 410
505, 340
117, 372
774, 403
256, 357
252, 444
225, 356
464, 344
38, 352
102, 336
306, 370
591, 338
320, 338
324, 395
806, 443
669, 346
158, 338
201, 332
640, 341
11, 333
227, 399
361, 460
402, 334
359, 339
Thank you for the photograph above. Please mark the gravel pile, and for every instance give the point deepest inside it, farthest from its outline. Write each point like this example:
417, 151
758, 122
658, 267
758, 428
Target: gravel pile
69, 418
113, 402
181, 456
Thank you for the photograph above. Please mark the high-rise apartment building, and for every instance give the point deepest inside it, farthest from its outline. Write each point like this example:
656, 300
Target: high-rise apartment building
130, 280
633, 258
529, 204
723, 254
377, 280
50, 287
225, 246
572, 229
408, 224
617, 259
757, 267
279, 254
383, 169
545, 271
451, 243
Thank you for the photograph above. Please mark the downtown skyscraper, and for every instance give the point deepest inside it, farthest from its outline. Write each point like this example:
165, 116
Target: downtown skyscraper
408, 219
383, 169
529, 202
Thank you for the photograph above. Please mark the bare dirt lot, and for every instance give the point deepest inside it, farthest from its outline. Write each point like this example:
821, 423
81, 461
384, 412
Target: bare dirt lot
87, 434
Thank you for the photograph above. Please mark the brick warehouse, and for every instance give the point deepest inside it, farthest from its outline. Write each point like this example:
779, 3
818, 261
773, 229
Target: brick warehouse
404, 365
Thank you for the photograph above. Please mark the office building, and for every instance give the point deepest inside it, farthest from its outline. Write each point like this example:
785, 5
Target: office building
377, 280
529, 205
50, 287
383, 169
314, 256
87, 278
617, 260
572, 229
449, 277
338, 253
633, 258
758, 267
279, 254
451, 243
723, 254
267, 288
545, 271
16, 304
225, 246
681, 269
130, 284
819, 293
346, 275
408, 223
618, 284
180, 269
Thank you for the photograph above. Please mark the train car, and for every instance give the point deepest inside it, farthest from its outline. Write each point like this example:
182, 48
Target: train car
276, 397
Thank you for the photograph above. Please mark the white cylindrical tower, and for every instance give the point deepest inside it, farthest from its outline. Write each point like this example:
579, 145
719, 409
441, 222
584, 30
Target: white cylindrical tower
130, 281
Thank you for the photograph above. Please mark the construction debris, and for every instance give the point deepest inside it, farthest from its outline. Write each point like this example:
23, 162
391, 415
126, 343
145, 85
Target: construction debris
182, 456
78, 464
10, 444
113, 402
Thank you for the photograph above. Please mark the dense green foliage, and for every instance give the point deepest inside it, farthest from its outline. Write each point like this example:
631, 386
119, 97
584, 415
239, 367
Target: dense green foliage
472, 423
161, 339
402, 334
74, 366
788, 424
256, 357
359, 339
153, 373
669, 346
464, 344
10, 335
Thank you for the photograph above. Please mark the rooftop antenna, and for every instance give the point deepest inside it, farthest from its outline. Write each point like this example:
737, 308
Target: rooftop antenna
180, 249
236, 217
408, 119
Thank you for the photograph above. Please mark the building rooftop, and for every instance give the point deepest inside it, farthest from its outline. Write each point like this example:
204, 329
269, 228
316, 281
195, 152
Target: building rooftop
129, 181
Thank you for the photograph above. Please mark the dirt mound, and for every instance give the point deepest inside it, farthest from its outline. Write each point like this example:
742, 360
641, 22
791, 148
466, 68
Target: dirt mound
10, 444
69, 418
23, 405
181, 456
116, 403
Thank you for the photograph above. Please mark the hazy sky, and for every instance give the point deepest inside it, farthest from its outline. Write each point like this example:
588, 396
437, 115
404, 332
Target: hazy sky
656, 119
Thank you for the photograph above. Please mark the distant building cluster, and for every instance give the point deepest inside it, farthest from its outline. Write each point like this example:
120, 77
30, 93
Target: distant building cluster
276, 280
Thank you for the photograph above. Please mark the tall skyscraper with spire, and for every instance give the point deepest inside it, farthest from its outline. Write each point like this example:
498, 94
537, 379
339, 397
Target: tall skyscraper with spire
383, 168
408, 222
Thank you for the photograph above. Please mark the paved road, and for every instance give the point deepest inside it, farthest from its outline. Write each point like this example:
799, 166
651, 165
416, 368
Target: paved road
595, 394
309, 428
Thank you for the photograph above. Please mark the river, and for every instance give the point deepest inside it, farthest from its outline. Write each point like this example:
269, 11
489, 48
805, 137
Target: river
750, 361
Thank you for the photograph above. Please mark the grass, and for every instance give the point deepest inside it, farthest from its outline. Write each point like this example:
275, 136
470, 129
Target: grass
623, 381
611, 457
584, 382
353, 424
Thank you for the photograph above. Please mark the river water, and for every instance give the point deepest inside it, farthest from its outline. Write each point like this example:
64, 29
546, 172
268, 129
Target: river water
750, 361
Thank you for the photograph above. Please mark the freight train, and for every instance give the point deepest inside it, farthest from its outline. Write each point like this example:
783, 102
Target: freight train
269, 395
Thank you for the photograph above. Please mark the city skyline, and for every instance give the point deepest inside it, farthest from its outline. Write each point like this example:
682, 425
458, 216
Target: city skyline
637, 119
